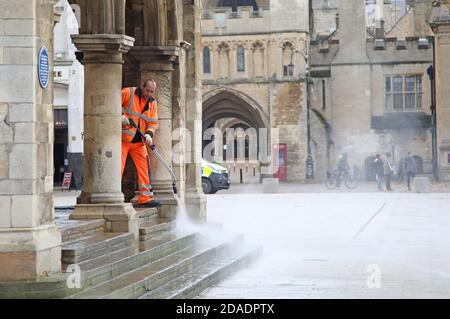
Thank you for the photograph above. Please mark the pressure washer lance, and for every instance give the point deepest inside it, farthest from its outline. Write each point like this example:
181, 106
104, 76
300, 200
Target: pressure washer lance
160, 158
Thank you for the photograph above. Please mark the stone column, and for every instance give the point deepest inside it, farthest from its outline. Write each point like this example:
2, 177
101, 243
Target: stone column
102, 196
441, 27
233, 61
29, 241
157, 63
195, 198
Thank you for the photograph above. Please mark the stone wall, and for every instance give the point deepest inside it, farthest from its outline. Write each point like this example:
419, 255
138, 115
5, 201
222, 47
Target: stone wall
271, 41
351, 72
26, 137
440, 21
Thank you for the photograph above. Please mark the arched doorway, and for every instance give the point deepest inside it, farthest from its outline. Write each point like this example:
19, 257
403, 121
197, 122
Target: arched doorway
228, 109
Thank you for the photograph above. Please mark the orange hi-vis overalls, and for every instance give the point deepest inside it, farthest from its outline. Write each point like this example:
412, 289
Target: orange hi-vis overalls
134, 107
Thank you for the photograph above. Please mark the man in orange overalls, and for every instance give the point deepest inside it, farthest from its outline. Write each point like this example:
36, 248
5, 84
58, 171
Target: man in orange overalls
140, 105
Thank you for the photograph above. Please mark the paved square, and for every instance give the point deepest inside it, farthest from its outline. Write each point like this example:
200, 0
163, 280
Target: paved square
338, 245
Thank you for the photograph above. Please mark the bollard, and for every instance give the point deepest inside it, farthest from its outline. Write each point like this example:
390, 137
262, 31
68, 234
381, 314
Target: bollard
254, 171
421, 184
270, 185
241, 176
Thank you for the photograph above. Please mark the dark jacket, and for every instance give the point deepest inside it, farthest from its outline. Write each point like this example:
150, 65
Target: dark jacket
378, 165
409, 166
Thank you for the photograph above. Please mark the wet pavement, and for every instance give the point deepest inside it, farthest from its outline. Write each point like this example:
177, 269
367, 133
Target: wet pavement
338, 245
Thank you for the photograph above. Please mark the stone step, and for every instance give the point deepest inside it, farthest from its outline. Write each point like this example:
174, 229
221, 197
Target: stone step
150, 230
75, 229
147, 214
74, 252
104, 268
153, 275
192, 284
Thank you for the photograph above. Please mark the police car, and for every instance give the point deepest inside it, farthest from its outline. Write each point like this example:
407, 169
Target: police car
214, 177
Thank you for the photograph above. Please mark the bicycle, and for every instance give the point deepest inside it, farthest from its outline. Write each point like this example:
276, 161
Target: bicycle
348, 179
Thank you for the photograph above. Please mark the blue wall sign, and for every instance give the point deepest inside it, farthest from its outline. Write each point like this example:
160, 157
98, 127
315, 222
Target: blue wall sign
43, 67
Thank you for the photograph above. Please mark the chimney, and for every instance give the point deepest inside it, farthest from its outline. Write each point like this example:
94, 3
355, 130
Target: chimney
352, 32
379, 16
422, 10
379, 32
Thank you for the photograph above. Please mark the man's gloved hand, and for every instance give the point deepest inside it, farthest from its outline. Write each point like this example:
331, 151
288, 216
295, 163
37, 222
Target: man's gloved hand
125, 121
148, 139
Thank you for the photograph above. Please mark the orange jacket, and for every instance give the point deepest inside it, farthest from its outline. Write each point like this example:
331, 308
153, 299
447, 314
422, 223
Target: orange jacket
133, 108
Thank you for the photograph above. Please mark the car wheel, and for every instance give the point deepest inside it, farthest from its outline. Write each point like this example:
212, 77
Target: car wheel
206, 186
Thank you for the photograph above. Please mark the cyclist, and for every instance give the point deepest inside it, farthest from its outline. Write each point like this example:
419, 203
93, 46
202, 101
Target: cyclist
343, 168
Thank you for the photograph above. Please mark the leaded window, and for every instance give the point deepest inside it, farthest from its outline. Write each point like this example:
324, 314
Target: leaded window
206, 60
240, 59
403, 93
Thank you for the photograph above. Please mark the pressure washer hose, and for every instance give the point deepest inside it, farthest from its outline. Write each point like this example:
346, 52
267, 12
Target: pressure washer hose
160, 158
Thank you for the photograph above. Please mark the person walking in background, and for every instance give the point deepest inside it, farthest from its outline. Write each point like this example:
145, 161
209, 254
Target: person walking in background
343, 168
379, 170
409, 169
388, 171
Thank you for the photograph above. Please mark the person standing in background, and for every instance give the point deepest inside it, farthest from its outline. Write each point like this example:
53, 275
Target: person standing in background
409, 169
379, 170
388, 171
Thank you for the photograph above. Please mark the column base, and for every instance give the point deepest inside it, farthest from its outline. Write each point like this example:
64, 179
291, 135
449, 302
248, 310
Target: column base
196, 205
29, 254
119, 218
100, 198
169, 204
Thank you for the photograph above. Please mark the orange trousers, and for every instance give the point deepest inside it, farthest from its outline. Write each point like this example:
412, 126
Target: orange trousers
139, 155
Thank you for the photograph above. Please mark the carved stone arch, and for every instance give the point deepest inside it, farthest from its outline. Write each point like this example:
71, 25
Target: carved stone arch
286, 43
209, 45
259, 59
258, 45
241, 106
239, 43
223, 46
223, 60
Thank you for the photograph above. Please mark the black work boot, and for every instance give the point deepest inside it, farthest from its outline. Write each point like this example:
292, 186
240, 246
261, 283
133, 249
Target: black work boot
151, 204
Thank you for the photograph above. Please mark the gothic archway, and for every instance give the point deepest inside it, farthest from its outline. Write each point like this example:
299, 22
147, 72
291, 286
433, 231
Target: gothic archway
238, 111
228, 103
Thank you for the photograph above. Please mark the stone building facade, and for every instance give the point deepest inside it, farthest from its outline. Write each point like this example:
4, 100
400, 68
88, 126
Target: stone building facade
254, 72
369, 89
371, 92
119, 43
68, 99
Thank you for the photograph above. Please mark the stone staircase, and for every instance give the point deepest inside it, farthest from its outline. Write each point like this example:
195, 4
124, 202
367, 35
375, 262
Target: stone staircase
165, 263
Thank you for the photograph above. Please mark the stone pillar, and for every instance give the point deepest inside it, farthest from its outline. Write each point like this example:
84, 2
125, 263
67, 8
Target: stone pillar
441, 27
195, 198
233, 61
157, 63
102, 196
29, 241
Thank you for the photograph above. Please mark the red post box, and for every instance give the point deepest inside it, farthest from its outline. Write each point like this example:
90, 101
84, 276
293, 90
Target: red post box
280, 162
